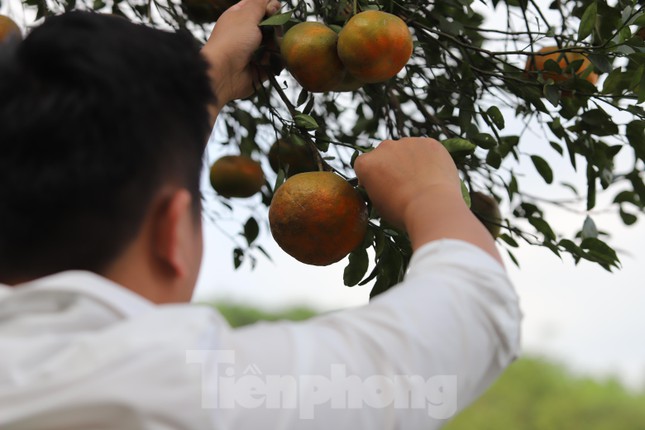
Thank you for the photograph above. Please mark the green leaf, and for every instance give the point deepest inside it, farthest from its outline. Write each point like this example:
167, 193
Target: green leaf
309, 106
628, 218
556, 128
279, 180
600, 62
552, 247
493, 159
591, 187
464, 193
589, 228
251, 230
465, 117
356, 268
613, 81
543, 168
513, 188
302, 97
457, 145
552, 94
588, 21
496, 116
370, 277
305, 121
238, 257
637, 77
485, 140
641, 90
639, 21
509, 240
626, 197
599, 251
513, 258
279, 19
379, 242
598, 122
571, 247
263, 251
558, 148
553, 66
635, 133
382, 284
543, 227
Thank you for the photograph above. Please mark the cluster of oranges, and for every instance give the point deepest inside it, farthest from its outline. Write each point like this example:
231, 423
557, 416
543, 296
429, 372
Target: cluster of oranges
316, 217
373, 46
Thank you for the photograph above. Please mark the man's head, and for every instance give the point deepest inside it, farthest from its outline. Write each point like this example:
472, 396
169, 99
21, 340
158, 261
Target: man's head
102, 129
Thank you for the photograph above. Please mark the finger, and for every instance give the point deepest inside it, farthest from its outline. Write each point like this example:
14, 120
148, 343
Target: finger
253, 9
273, 7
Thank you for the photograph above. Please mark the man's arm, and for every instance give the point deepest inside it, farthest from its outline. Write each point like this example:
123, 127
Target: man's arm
413, 357
229, 50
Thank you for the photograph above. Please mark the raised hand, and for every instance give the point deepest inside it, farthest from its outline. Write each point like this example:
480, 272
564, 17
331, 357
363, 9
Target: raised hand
414, 184
230, 47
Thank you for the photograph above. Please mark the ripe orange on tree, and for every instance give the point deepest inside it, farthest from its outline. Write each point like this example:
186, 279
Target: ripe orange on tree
236, 176
318, 218
291, 157
310, 54
374, 45
486, 209
9, 29
536, 63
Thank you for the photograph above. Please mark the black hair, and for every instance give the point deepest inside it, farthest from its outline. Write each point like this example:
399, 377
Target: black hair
96, 115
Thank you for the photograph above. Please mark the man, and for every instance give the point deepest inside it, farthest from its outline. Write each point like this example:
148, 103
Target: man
102, 127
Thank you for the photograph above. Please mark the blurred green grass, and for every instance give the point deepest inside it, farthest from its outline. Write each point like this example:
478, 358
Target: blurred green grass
533, 394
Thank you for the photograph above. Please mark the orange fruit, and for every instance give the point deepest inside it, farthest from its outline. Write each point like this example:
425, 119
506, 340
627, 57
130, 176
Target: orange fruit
374, 46
9, 29
309, 53
318, 218
236, 176
291, 157
486, 209
536, 62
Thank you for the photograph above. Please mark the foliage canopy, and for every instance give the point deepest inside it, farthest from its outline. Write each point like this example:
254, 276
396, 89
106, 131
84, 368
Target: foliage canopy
465, 85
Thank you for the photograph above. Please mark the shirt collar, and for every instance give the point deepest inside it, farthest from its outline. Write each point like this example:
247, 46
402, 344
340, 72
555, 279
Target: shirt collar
110, 294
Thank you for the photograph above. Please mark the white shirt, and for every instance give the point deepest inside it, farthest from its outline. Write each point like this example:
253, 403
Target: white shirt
80, 352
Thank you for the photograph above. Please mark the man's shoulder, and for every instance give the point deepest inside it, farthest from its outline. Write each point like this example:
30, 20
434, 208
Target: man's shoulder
184, 323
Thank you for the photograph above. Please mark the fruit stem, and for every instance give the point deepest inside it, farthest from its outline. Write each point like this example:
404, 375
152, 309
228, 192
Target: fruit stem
283, 96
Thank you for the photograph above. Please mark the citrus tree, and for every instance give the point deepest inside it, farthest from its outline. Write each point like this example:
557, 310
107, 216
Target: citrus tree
504, 84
